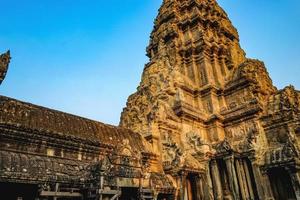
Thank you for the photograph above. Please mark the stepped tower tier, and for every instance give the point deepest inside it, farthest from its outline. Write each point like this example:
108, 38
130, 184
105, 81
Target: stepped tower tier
199, 40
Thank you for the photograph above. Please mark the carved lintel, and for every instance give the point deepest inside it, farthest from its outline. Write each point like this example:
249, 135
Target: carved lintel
223, 147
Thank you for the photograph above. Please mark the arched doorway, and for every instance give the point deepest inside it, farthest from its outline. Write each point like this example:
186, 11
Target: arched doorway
281, 184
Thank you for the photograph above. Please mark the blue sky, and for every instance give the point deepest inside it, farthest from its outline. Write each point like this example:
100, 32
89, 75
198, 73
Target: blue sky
86, 57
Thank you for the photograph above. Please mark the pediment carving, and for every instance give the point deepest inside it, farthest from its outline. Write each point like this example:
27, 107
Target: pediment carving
197, 146
172, 153
223, 147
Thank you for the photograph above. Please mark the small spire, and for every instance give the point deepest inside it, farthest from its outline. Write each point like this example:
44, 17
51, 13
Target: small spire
4, 63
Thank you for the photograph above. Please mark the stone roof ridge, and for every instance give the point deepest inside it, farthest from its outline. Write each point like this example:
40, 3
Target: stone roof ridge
52, 110
37, 119
289, 87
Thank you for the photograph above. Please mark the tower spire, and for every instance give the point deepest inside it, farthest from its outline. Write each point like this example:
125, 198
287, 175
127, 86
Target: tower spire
200, 35
4, 63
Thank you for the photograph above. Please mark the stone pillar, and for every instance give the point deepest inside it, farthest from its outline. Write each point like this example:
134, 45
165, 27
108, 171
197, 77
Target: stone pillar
249, 181
199, 188
183, 187
56, 190
233, 181
224, 67
295, 177
243, 173
208, 187
196, 69
209, 70
265, 182
216, 69
218, 191
241, 180
179, 188
258, 181
101, 184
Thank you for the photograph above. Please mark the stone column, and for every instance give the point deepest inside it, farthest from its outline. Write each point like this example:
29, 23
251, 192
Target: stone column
209, 70
295, 177
241, 180
199, 187
224, 67
233, 181
179, 189
196, 70
208, 187
218, 191
249, 181
258, 181
265, 182
243, 173
216, 69
183, 186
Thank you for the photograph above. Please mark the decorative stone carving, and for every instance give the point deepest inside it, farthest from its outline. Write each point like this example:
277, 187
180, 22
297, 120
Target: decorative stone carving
251, 140
166, 95
223, 147
199, 79
202, 114
242, 130
172, 154
197, 146
289, 150
40, 168
255, 71
281, 155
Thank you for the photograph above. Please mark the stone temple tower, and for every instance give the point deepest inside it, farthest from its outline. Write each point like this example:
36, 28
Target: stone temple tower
204, 106
193, 50
206, 123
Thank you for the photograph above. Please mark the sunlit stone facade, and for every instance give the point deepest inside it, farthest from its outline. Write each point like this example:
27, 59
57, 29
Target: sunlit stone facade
205, 123
220, 127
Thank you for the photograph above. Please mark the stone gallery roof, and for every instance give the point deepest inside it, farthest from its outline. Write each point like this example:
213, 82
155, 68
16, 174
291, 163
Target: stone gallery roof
36, 118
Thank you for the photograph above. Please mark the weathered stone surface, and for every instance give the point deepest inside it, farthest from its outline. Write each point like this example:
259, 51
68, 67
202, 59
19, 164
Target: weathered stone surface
206, 123
201, 100
49, 148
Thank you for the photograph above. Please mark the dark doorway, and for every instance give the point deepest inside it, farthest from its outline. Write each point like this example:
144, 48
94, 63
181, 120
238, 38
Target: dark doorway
14, 191
191, 187
129, 193
281, 184
165, 197
252, 179
224, 177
